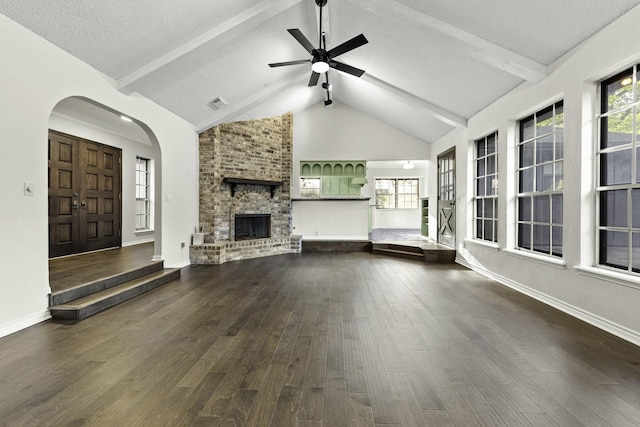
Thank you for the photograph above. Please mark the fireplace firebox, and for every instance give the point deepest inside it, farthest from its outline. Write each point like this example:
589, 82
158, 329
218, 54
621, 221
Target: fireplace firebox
252, 226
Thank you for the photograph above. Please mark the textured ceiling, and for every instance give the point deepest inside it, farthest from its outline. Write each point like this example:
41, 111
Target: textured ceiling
430, 66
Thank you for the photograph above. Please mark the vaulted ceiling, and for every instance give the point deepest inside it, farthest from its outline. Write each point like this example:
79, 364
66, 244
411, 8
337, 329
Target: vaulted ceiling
430, 66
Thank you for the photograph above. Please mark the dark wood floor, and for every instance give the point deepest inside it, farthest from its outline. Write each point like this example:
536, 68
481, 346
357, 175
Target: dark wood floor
321, 339
68, 272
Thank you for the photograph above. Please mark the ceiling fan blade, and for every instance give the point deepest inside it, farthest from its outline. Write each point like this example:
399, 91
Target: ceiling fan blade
283, 64
340, 66
345, 47
297, 34
314, 78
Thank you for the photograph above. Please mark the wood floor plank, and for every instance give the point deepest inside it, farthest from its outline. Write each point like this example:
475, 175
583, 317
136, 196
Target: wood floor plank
288, 407
267, 397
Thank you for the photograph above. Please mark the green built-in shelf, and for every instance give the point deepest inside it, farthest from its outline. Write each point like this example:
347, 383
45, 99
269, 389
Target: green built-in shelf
319, 168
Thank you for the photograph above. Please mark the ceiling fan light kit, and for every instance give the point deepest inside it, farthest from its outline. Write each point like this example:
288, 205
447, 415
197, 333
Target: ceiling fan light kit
322, 59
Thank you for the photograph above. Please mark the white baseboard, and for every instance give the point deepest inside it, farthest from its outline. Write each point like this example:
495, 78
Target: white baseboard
597, 321
24, 323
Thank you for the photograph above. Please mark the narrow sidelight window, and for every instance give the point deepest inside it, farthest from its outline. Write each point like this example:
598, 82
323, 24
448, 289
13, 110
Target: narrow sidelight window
143, 194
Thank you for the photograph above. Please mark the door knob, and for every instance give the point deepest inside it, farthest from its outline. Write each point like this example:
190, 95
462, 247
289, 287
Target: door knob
83, 204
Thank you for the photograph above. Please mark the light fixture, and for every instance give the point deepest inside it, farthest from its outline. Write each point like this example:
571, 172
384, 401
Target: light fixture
326, 86
125, 118
626, 81
408, 165
328, 103
320, 67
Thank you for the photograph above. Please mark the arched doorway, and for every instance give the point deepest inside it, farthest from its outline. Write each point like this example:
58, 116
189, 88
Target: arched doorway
128, 141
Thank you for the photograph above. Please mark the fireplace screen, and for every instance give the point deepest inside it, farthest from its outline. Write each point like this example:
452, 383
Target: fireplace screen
252, 226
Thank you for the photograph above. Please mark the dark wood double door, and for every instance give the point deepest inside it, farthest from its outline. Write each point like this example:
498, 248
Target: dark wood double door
84, 195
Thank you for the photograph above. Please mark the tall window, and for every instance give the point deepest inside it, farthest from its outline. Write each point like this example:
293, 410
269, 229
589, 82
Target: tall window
143, 194
397, 193
618, 187
486, 188
540, 181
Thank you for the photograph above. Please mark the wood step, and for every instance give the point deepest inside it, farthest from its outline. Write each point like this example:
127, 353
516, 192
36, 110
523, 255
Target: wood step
89, 305
76, 292
399, 253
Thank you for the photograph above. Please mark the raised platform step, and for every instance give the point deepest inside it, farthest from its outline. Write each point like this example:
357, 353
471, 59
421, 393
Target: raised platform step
108, 296
76, 292
426, 252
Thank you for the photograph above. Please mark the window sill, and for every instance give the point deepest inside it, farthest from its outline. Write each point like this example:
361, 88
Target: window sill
619, 278
541, 259
483, 243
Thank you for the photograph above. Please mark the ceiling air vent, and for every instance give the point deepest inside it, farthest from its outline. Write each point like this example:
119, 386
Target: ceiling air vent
217, 104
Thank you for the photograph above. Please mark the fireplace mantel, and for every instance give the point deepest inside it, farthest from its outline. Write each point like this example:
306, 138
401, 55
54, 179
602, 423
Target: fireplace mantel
246, 181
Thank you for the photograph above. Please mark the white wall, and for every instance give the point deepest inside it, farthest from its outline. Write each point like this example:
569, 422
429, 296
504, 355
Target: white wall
35, 75
330, 219
571, 284
344, 133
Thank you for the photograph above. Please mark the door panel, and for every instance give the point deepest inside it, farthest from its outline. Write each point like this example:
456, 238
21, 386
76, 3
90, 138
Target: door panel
447, 198
84, 195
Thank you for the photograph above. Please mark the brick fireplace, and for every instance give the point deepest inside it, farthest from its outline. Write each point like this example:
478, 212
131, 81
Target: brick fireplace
245, 173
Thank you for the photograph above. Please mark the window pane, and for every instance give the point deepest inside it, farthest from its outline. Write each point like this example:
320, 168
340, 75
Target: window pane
544, 149
481, 169
541, 238
526, 180
544, 177
618, 92
491, 143
526, 154
524, 209
635, 208
617, 129
488, 230
480, 187
556, 241
491, 164
613, 208
479, 234
615, 168
559, 176
635, 252
556, 208
488, 209
614, 249
544, 121
526, 129
541, 209
481, 150
559, 141
479, 208
524, 235
638, 162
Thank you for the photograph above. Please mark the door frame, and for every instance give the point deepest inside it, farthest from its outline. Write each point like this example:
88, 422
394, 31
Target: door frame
446, 200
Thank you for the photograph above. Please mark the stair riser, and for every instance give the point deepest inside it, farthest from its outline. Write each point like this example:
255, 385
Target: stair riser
405, 255
401, 248
84, 312
65, 296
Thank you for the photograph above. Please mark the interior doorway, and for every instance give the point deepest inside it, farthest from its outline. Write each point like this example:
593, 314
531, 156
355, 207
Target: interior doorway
447, 198
84, 195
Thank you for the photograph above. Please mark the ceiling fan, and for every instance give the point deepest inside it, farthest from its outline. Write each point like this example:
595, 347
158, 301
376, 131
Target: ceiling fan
323, 59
